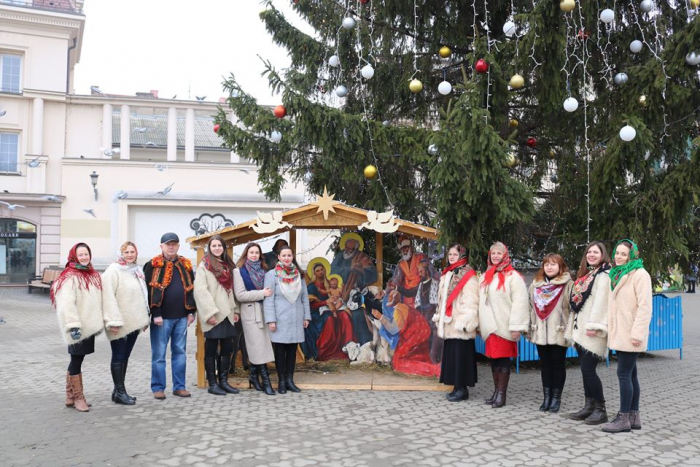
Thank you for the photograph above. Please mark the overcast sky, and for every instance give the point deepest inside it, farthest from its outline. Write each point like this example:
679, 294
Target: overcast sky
175, 45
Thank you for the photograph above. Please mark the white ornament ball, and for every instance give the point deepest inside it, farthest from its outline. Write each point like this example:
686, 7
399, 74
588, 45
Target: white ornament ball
386, 123
509, 28
348, 22
627, 133
646, 6
607, 16
432, 150
334, 61
276, 136
621, 78
444, 88
693, 58
570, 104
636, 46
367, 71
341, 91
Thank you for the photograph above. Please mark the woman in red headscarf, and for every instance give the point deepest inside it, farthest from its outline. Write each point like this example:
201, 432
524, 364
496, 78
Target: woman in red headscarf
77, 297
504, 313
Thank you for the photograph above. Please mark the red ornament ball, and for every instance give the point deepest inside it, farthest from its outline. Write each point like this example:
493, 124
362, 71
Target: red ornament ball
364, 1
582, 35
216, 128
481, 66
280, 111
532, 142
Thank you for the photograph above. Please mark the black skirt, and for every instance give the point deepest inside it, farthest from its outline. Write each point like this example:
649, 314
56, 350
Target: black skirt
459, 363
84, 347
223, 330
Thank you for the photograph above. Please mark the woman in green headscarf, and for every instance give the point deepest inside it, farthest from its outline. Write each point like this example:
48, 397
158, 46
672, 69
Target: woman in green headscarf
629, 315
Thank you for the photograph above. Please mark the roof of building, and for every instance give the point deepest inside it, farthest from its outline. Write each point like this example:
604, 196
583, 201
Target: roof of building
152, 131
61, 6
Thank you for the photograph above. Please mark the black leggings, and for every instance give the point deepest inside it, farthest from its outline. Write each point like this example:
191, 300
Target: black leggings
76, 363
503, 363
627, 377
211, 347
592, 386
285, 357
553, 365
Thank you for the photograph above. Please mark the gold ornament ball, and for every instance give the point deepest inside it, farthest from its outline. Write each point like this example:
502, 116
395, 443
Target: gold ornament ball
643, 99
695, 3
445, 51
510, 161
552, 154
567, 5
415, 86
517, 82
370, 172
513, 123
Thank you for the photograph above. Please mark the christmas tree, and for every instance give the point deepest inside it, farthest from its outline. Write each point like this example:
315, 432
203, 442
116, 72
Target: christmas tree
539, 123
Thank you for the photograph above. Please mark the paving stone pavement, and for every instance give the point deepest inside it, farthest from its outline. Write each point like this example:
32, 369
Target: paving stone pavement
327, 428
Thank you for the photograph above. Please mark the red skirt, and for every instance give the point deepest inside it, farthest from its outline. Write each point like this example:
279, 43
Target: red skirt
498, 347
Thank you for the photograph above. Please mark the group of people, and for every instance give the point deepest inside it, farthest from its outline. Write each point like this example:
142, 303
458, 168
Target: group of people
272, 306
607, 306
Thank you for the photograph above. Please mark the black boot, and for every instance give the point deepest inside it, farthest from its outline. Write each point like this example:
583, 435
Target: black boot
547, 398
223, 375
461, 394
290, 383
265, 376
584, 412
120, 395
495, 374
210, 369
126, 363
452, 393
599, 415
281, 383
556, 400
253, 379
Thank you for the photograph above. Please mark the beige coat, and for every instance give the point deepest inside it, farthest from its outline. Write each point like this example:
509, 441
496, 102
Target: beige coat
503, 311
552, 330
257, 337
212, 299
629, 312
79, 308
124, 302
465, 310
593, 316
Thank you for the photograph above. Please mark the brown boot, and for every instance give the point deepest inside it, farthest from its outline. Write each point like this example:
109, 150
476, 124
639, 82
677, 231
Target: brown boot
584, 412
635, 420
495, 374
500, 399
79, 402
599, 415
621, 424
69, 391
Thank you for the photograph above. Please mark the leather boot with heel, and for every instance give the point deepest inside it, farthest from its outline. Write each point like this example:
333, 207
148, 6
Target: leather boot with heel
547, 398
265, 376
461, 394
584, 412
289, 379
599, 415
281, 383
503, 378
120, 395
556, 400
79, 402
494, 373
210, 369
254, 378
223, 376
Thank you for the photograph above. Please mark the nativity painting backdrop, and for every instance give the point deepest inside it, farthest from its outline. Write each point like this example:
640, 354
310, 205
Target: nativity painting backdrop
356, 319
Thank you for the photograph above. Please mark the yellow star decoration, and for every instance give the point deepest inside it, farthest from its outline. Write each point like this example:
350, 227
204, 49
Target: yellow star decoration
325, 203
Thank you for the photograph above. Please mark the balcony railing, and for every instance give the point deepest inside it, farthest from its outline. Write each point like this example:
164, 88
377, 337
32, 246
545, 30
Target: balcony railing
60, 6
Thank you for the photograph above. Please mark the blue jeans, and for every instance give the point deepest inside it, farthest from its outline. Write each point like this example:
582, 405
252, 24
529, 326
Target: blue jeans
175, 331
627, 377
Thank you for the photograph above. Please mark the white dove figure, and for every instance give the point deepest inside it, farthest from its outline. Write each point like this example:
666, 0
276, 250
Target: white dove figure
91, 212
52, 198
200, 99
269, 222
160, 167
3, 113
121, 194
34, 163
166, 190
11, 207
380, 222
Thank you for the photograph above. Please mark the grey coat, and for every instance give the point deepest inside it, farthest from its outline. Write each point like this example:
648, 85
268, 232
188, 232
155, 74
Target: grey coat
288, 316
257, 337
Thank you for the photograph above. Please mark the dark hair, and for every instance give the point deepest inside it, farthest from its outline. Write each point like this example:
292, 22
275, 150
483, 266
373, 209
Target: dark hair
460, 249
583, 268
244, 255
277, 247
84, 245
215, 262
294, 258
551, 258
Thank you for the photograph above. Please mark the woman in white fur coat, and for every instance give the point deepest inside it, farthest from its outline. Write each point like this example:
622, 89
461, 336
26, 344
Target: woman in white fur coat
77, 297
457, 318
549, 300
629, 315
217, 312
125, 310
588, 328
504, 313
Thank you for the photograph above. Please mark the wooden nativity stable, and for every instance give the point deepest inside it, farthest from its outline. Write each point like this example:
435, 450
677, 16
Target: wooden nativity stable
324, 213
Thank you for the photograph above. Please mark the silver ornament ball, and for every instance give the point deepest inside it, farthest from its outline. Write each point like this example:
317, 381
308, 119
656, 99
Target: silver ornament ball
432, 150
348, 22
621, 78
341, 91
646, 6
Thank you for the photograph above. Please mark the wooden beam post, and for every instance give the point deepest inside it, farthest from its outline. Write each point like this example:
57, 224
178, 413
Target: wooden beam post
201, 378
293, 241
380, 258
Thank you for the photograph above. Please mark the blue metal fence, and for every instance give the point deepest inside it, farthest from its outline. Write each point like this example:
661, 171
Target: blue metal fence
665, 332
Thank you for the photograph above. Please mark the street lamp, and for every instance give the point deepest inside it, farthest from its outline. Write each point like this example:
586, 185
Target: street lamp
93, 180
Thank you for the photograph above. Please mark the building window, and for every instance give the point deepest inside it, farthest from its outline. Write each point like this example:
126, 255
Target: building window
9, 152
10, 66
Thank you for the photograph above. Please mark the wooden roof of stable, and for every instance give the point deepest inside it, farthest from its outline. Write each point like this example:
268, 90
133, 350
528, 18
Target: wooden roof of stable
311, 216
